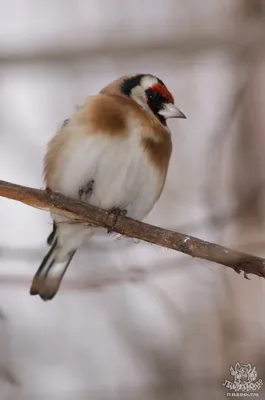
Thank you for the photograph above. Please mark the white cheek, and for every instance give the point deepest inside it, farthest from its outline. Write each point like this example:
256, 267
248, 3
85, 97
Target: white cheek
139, 96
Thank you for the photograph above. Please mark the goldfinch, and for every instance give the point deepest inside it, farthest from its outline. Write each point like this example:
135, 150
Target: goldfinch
113, 153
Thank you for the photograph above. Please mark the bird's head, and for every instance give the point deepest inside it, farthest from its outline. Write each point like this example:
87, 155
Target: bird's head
152, 94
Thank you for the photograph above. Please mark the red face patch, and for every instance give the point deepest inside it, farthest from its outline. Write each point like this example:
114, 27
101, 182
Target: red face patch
163, 91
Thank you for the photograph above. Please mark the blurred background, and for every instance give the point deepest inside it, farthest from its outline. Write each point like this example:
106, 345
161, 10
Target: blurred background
175, 333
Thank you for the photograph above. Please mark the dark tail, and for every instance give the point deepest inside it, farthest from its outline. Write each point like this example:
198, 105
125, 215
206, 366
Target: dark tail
52, 235
47, 279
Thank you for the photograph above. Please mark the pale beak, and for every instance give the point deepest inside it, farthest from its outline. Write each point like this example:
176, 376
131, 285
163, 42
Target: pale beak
171, 111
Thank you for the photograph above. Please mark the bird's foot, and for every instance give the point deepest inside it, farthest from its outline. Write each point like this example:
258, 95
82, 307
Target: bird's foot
116, 212
86, 191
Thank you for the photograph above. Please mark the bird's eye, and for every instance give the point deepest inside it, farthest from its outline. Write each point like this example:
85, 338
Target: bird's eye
151, 95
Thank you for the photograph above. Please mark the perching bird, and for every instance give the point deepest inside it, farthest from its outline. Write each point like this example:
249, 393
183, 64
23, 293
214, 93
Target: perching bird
113, 153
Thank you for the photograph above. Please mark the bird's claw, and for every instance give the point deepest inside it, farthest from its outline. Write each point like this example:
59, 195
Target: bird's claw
116, 212
86, 191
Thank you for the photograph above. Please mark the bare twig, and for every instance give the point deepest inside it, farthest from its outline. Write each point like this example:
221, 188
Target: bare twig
79, 212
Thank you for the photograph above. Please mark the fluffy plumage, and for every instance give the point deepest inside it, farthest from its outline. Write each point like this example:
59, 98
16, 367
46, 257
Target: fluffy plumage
113, 152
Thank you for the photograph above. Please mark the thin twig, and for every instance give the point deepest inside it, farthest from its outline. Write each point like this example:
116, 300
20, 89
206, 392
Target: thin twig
92, 216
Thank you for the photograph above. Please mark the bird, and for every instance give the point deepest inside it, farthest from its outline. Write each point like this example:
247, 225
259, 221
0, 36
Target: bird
112, 153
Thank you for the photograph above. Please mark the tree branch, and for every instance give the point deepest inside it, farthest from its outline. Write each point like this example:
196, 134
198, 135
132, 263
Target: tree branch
79, 212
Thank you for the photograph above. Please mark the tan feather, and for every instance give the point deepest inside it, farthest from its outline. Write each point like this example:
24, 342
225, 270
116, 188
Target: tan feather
111, 113
56, 148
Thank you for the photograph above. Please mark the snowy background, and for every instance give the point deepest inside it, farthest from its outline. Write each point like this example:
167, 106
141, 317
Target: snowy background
175, 335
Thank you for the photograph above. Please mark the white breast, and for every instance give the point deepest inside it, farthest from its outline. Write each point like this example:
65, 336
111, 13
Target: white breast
120, 168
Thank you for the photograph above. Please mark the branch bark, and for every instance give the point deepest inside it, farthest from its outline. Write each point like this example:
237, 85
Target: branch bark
81, 213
